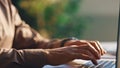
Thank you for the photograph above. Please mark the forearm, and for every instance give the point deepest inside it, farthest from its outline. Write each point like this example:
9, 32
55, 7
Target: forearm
49, 44
27, 38
27, 58
55, 43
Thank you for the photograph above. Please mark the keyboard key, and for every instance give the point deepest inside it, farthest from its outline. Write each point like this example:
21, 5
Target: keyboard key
101, 64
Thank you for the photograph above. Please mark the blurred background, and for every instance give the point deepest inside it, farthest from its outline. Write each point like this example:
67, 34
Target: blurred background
84, 19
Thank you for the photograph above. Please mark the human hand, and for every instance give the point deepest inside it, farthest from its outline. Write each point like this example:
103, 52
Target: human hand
95, 44
88, 51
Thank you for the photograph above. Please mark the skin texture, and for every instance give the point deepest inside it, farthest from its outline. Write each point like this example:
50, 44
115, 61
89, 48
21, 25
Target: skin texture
75, 49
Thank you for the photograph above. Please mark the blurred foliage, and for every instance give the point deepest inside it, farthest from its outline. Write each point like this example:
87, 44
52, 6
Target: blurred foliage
53, 18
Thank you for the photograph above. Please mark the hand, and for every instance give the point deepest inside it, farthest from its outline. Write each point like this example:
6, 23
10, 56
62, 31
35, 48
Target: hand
86, 51
95, 44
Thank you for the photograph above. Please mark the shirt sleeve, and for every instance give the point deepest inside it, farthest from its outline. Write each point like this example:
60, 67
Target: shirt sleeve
25, 58
25, 36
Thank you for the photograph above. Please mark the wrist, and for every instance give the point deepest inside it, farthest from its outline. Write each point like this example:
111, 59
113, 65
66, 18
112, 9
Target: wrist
55, 43
66, 40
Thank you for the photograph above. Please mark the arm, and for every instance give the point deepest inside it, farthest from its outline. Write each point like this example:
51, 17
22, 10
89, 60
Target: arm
36, 58
13, 58
26, 37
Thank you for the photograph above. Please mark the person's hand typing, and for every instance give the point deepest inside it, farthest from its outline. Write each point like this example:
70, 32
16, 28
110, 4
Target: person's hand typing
75, 49
95, 44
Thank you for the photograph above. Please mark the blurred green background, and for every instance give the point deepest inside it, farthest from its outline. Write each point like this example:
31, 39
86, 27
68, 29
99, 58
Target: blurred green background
84, 19
53, 18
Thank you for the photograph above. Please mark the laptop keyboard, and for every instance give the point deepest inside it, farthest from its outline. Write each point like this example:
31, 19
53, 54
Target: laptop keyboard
101, 64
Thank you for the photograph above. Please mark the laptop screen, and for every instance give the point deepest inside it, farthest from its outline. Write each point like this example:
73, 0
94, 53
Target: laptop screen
118, 44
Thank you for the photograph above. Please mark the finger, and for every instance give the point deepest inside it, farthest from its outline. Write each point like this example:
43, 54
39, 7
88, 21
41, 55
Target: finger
96, 46
94, 62
92, 58
87, 46
93, 51
86, 55
102, 50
